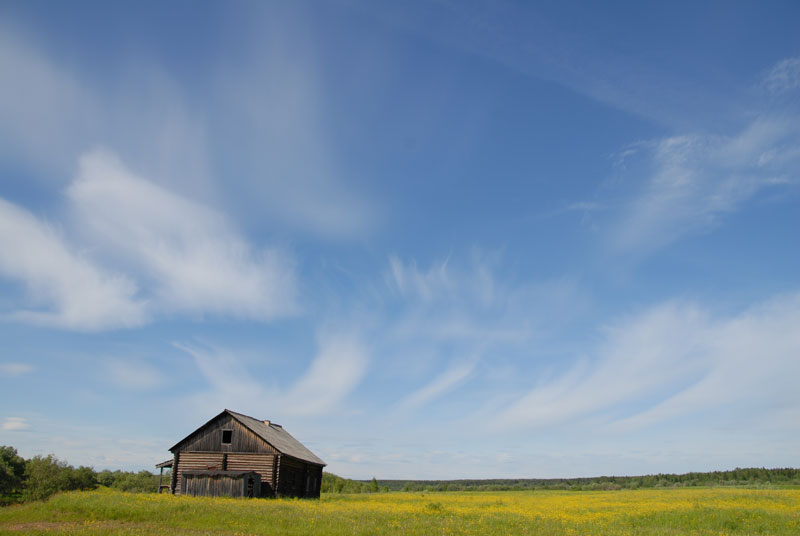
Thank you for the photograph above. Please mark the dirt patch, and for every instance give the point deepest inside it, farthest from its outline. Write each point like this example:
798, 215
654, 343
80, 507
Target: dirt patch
58, 526
91, 526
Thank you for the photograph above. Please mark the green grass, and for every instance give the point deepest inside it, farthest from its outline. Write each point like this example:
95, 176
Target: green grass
641, 512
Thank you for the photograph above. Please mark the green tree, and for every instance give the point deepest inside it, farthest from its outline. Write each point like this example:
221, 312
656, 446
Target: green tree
373, 486
43, 476
12, 471
46, 475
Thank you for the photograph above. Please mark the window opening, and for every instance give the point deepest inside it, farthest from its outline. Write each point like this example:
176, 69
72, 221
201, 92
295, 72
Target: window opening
226, 437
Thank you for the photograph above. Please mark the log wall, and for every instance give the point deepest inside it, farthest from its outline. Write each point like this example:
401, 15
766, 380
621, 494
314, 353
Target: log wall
196, 461
263, 464
297, 478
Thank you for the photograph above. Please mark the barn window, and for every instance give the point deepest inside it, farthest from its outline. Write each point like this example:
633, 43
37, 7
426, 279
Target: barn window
226, 437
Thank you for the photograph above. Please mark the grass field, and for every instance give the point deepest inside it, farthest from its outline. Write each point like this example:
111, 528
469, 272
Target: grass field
641, 512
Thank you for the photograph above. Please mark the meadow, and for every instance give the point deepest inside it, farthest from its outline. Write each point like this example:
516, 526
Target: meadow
704, 511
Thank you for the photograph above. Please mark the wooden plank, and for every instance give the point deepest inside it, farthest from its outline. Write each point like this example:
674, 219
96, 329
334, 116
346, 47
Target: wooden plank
263, 464
194, 461
209, 439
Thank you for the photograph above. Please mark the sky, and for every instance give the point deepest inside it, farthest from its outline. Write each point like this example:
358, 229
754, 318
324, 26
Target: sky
431, 239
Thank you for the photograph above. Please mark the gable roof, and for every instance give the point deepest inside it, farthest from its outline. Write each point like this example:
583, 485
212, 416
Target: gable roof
274, 434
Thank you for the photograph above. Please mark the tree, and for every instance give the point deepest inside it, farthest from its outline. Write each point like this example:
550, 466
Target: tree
43, 476
373, 486
46, 475
12, 471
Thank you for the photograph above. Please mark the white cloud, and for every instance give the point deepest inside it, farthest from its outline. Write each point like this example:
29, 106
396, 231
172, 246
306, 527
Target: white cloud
193, 256
585, 206
231, 384
186, 257
283, 171
72, 291
455, 375
43, 109
752, 361
288, 150
673, 360
441, 321
690, 182
133, 375
334, 372
337, 369
468, 302
14, 424
10, 369
50, 112
409, 280
784, 76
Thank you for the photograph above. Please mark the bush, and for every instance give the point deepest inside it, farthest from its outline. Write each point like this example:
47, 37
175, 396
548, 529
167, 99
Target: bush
46, 475
12, 472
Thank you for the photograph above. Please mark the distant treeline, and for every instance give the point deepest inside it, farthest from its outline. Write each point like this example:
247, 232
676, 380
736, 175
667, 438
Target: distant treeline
736, 477
335, 484
41, 476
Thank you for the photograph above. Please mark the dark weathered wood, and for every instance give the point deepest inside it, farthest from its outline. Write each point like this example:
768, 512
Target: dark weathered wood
173, 482
250, 449
196, 461
297, 478
260, 463
221, 483
209, 438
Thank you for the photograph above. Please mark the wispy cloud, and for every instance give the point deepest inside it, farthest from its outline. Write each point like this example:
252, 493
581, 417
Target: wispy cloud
672, 360
332, 374
467, 301
170, 254
71, 291
288, 153
283, 170
13, 424
197, 262
751, 365
335, 371
10, 369
409, 280
524, 38
784, 76
133, 374
458, 373
229, 382
443, 320
690, 183
51, 111
586, 206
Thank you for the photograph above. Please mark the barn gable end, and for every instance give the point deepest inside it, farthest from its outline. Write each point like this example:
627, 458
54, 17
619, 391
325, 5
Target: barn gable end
208, 438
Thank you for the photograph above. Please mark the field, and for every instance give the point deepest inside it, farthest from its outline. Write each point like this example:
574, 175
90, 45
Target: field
721, 511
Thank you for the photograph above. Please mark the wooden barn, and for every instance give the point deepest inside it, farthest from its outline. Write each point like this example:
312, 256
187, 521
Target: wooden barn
240, 456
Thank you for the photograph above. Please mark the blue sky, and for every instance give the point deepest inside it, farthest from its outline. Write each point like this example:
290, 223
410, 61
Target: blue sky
431, 239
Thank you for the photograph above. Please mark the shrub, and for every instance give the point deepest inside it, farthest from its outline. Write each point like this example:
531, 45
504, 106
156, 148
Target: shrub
12, 472
46, 475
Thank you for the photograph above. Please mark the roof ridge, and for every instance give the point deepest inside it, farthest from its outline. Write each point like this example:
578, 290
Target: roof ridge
273, 434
